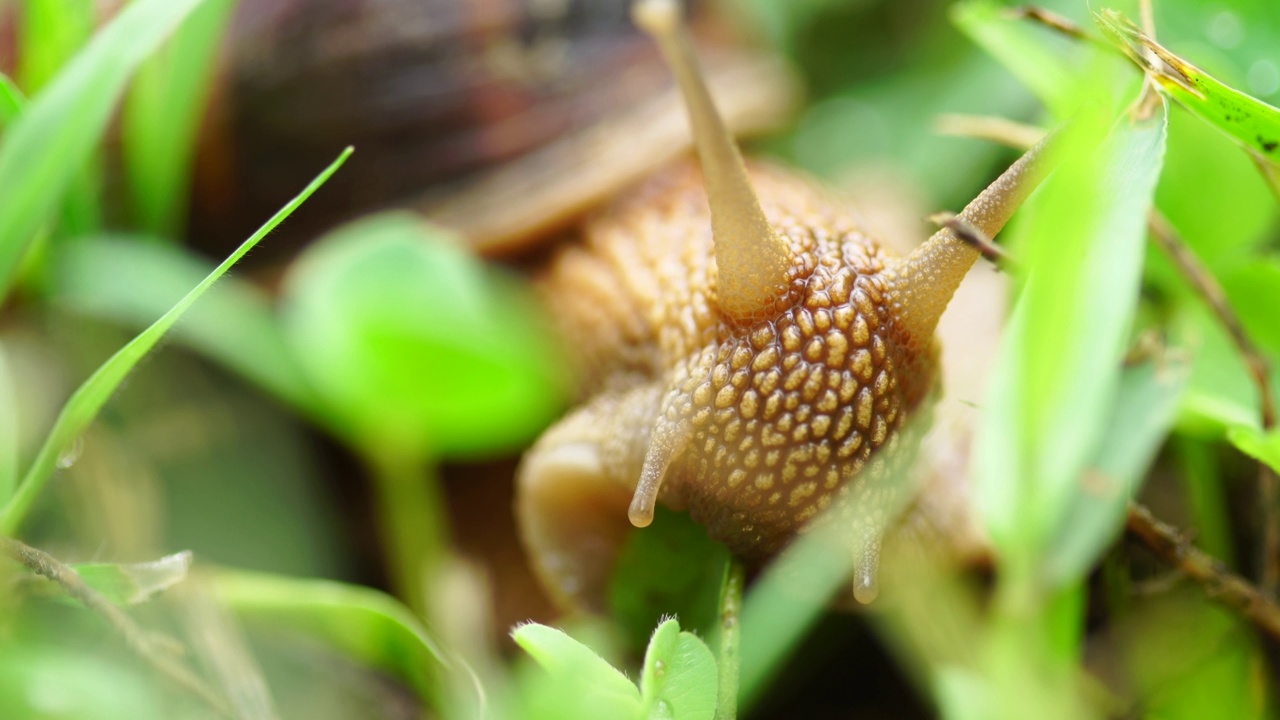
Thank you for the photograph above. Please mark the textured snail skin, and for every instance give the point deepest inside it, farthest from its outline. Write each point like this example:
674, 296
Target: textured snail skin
761, 422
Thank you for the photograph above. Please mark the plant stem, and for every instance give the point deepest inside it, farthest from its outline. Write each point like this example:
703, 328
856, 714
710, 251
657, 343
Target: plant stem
160, 652
735, 576
1218, 582
1205, 285
412, 523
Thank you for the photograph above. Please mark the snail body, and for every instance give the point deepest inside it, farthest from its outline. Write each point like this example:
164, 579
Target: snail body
752, 361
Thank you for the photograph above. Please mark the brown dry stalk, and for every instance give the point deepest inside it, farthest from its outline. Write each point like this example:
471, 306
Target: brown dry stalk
1218, 582
1259, 371
157, 651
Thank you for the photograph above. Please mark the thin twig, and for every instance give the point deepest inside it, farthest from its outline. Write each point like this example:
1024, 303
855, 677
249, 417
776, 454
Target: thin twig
157, 651
1167, 238
1218, 581
1051, 20
989, 127
735, 575
966, 232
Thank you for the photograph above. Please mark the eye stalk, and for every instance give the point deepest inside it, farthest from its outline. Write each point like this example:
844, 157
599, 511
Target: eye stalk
752, 261
922, 283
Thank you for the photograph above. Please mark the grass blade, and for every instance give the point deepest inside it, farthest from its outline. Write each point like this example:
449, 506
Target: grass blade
55, 136
11, 102
52, 31
89, 398
1029, 52
133, 281
1251, 122
1145, 407
162, 115
8, 430
1259, 445
366, 624
1059, 368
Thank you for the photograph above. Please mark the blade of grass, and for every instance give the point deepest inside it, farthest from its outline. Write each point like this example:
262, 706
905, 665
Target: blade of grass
1059, 368
368, 625
52, 32
133, 281
1027, 51
8, 429
1145, 407
1251, 122
89, 398
11, 102
162, 115
55, 136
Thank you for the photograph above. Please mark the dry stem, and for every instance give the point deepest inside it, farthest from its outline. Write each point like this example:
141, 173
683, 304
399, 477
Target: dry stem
1259, 371
1218, 581
155, 650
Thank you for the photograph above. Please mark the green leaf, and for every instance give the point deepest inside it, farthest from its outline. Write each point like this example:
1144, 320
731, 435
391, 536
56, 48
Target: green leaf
1145, 406
55, 136
51, 33
369, 626
11, 102
1251, 122
131, 281
415, 344
162, 114
1259, 445
8, 430
79, 684
679, 678
1031, 53
88, 399
581, 685
1058, 371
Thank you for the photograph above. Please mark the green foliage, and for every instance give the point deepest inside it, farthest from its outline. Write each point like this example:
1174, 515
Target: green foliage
49, 143
1146, 403
162, 115
52, 31
89, 398
417, 347
11, 102
8, 429
678, 680
1039, 60
579, 684
1056, 381
1264, 447
132, 280
369, 626
1253, 123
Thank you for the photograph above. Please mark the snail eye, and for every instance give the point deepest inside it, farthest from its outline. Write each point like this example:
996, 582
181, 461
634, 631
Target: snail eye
752, 261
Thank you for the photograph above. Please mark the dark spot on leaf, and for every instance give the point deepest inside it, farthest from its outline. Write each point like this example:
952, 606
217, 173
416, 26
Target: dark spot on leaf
1268, 145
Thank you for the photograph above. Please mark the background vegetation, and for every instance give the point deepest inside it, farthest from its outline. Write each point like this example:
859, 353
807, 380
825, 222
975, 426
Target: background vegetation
298, 505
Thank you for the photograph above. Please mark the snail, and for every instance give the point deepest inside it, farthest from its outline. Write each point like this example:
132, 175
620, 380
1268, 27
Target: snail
746, 352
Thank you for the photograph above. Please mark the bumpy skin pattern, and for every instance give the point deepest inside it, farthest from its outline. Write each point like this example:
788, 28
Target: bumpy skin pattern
766, 422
